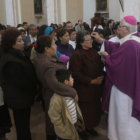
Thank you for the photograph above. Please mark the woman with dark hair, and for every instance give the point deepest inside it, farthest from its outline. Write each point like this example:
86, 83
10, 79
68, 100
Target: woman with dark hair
2, 29
109, 33
87, 72
41, 30
18, 81
46, 65
47, 30
95, 44
5, 121
63, 45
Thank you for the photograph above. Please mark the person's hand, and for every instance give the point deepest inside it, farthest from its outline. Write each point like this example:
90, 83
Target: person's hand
97, 37
97, 81
104, 54
76, 98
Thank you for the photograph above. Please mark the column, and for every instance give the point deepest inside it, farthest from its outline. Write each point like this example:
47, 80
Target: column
10, 20
63, 12
89, 8
50, 11
19, 11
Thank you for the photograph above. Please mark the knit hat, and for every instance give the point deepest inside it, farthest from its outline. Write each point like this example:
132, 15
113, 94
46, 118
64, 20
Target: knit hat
130, 20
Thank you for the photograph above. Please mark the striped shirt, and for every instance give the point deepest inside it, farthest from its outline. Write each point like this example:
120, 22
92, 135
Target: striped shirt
72, 109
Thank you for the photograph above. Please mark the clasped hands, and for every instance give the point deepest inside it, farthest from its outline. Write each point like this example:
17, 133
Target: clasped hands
97, 81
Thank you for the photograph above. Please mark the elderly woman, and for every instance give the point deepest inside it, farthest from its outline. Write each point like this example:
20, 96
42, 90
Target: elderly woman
46, 65
18, 81
86, 67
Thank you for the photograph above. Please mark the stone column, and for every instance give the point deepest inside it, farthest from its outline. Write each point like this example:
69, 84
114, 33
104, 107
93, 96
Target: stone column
132, 7
10, 12
89, 8
63, 13
56, 11
19, 11
13, 12
50, 11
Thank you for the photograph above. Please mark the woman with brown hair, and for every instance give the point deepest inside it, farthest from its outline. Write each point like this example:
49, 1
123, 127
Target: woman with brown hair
46, 65
18, 81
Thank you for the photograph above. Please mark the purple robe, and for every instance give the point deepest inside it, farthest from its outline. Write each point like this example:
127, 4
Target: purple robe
123, 71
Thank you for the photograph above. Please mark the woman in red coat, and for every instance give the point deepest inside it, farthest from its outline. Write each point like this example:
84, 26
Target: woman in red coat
87, 70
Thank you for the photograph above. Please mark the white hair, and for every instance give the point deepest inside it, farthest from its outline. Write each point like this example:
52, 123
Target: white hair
132, 28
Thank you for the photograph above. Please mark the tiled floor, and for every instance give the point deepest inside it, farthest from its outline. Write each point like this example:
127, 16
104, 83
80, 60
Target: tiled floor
38, 126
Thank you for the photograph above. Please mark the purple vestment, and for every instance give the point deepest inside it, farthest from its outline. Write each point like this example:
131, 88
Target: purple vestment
123, 71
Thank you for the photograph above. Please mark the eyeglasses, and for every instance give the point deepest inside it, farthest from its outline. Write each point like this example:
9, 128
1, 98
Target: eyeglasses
89, 39
121, 26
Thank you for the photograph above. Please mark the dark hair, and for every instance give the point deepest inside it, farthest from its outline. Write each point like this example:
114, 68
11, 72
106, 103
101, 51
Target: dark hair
80, 38
41, 30
43, 42
109, 21
25, 23
67, 23
22, 30
116, 24
2, 27
19, 25
9, 38
100, 31
61, 33
54, 26
71, 31
86, 26
63, 75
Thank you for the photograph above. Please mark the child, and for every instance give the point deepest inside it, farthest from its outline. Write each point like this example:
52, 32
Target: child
64, 111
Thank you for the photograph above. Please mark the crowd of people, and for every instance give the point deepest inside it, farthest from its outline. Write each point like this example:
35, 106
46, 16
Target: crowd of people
77, 72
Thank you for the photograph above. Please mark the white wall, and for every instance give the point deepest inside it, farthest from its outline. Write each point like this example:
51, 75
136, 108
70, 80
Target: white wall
89, 9
10, 13
63, 11
132, 7
74, 10
50, 11
2, 12
115, 10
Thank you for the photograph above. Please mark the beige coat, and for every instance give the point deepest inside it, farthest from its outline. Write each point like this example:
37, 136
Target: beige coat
61, 118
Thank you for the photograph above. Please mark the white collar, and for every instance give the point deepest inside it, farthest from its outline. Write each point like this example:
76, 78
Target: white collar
124, 39
128, 37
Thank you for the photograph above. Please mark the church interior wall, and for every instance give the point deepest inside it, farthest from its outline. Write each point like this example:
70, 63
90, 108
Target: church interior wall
27, 11
2, 12
74, 10
63, 10
114, 10
89, 8
132, 7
